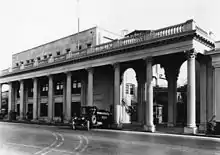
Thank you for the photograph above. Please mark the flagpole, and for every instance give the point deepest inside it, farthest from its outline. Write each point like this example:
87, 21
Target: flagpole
78, 24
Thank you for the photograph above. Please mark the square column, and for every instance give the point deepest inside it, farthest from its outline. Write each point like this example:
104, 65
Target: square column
11, 97
50, 98
171, 75
22, 105
35, 98
191, 93
116, 93
203, 89
149, 125
90, 87
64, 99
68, 95
0, 96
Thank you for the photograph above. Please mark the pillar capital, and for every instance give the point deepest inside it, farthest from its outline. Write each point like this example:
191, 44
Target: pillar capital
68, 73
116, 65
191, 54
90, 69
148, 59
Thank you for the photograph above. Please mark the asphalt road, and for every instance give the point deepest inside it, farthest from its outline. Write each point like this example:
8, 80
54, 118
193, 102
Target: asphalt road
25, 139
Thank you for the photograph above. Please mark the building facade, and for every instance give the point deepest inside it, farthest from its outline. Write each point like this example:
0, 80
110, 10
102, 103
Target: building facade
77, 70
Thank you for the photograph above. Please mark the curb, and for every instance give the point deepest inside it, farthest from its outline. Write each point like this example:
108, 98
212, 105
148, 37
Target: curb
201, 137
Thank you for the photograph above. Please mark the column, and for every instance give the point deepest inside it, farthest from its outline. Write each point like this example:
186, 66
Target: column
210, 90
149, 125
35, 98
191, 93
90, 87
11, 98
0, 96
116, 93
171, 75
203, 87
50, 98
22, 105
68, 95
64, 98
140, 98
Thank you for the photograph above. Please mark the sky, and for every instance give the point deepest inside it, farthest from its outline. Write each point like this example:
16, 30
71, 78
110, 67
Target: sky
29, 23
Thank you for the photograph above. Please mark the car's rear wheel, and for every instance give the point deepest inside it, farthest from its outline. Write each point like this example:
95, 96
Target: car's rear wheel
93, 119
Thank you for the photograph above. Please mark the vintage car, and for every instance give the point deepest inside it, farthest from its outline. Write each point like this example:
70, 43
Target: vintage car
91, 116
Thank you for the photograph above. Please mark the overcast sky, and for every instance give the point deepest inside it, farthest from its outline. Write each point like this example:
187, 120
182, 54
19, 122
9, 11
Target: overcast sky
28, 23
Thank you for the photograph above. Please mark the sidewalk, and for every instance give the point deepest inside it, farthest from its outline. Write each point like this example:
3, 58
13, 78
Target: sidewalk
134, 128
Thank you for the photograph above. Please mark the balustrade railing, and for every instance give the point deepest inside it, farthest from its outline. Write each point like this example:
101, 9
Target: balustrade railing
127, 41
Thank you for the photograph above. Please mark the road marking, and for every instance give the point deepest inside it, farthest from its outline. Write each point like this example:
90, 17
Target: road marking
86, 145
51, 145
57, 145
80, 143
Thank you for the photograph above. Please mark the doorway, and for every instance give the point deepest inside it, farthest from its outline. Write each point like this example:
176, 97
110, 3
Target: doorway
75, 108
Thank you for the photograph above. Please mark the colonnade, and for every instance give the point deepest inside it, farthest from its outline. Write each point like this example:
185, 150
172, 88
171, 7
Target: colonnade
145, 111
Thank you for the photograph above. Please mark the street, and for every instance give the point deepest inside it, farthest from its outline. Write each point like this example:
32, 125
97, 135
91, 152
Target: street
22, 139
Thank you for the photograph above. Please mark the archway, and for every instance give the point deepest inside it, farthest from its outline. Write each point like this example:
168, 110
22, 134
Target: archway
128, 96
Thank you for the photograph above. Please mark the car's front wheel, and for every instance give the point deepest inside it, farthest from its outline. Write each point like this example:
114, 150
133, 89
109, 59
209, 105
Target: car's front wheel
73, 126
88, 125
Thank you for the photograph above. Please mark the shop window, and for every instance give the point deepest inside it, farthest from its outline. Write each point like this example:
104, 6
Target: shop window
43, 109
76, 87
58, 109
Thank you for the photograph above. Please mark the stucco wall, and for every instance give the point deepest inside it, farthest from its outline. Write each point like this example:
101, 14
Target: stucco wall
84, 37
103, 88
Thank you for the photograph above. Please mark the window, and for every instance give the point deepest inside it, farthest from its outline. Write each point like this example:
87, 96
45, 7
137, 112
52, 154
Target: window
58, 88
18, 92
32, 60
89, 45
79, 47
43, 109
45, 56
50, 55
67, 50
131, 89
17, 64
58, 52
44, 90
21, 62
30, 92
127, 88
38, 58
76, 87
58, 109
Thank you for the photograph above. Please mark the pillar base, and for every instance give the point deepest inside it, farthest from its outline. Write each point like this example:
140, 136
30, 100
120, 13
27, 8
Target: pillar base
190, 130
149, 128
170, 124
